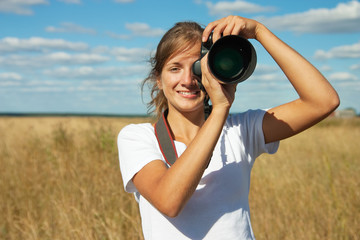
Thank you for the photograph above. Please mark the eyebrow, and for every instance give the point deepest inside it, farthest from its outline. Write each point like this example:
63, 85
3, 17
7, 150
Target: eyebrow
174, 63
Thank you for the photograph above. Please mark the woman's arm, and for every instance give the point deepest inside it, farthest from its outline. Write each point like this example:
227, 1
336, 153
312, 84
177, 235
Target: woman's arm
169, 189
317, 98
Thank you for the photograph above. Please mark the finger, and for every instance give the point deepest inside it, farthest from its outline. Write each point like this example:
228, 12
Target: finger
229, 29
237, 29
208, 29
218, 31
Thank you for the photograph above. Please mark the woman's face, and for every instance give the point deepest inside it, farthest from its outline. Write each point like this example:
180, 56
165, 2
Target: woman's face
178, 82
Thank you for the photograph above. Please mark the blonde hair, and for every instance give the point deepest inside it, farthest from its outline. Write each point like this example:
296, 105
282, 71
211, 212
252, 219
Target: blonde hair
181, 36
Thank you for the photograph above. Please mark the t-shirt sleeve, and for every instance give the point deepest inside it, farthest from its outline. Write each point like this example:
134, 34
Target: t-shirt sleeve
137, 146
258, 134
250, 129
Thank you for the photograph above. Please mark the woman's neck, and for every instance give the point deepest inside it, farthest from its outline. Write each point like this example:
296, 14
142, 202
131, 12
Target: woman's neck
184, 126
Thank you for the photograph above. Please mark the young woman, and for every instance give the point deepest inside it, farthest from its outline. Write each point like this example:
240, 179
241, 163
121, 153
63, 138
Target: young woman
204, 194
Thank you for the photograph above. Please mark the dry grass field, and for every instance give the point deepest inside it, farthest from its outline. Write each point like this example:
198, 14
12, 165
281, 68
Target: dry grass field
60, 179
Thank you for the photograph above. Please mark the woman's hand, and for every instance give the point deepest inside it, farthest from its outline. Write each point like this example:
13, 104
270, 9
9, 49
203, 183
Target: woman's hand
221, 95
231, 25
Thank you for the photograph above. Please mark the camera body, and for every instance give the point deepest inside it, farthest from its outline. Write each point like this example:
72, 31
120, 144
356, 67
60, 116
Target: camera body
231, 59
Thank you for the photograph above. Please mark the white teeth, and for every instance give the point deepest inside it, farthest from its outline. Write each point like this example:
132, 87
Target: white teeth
188, 93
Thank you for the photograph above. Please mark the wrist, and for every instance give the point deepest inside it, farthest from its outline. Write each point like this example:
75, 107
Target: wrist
220, 111
260, 28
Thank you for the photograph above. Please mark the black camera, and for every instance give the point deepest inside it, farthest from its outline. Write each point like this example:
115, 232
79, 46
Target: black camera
231, 59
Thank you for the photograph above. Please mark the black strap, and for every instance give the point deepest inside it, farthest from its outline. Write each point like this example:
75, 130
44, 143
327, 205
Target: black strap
166, 142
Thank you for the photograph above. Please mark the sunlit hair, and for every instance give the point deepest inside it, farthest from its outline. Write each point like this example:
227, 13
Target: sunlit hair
180, 37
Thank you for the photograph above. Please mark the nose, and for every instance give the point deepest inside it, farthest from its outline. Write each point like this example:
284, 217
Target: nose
189, 79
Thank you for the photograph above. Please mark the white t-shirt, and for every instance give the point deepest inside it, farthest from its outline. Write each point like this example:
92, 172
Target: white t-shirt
219, 208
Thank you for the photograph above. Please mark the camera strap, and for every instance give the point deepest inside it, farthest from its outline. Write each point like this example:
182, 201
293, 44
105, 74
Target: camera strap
165, 140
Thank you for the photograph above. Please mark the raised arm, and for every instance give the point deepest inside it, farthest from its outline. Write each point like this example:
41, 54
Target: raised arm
317, 98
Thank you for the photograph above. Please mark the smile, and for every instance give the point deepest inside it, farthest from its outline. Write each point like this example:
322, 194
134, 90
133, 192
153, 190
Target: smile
188, 93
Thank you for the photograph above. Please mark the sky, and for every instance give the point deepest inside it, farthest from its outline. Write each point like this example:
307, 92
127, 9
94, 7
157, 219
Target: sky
90, 56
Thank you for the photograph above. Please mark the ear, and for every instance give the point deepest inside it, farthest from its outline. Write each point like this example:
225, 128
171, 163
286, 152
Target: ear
159, 82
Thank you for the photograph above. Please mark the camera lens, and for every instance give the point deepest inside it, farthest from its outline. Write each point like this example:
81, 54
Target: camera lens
232, 59
228, 63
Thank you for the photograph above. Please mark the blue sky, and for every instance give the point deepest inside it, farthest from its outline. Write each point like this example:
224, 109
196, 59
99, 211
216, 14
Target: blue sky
90, 56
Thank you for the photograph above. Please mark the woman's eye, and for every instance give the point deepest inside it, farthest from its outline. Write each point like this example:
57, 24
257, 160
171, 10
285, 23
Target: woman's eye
174, 69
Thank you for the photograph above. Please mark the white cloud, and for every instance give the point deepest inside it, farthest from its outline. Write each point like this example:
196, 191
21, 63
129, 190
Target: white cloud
100, 49
266, 69
343, 76
88, 72
118, 36
137, 29
144, 30
71, 1
56, 58
345, 51
325, 68
239, 6
12, 44
68, 27
131, 54
66, 58
9, 83
344, 18
21, 7
124, 1
10, 76
46, 83
355, 66
41, 89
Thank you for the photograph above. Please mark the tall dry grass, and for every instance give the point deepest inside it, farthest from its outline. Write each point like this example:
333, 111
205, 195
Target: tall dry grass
311, 188
60, 179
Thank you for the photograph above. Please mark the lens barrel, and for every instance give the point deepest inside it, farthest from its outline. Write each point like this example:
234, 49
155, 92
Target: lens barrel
231, 59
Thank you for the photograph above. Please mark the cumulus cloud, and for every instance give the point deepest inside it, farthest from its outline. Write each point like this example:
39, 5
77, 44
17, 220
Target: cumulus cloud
10, 76
66, 58
346, 51
131, 54
51, 59
344, 18
90, 72
138, 30
343, 76
355, 67
266, 69
71, 1
239, 6
144, 30
35, 44
117, 35
124, 1
325, 68
21, 7
68, 27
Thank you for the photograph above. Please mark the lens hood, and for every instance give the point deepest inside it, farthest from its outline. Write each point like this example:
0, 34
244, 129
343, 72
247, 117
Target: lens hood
231, 59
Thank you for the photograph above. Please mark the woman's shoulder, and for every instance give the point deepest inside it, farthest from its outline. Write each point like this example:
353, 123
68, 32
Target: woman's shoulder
133, 129
137, 127
248, 116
